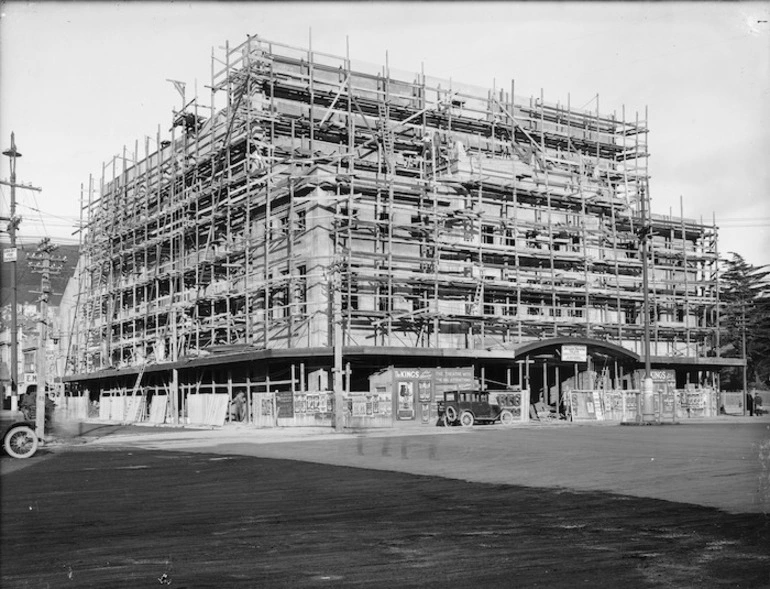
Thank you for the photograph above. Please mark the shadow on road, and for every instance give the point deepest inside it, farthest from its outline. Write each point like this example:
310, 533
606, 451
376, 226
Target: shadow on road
68, 430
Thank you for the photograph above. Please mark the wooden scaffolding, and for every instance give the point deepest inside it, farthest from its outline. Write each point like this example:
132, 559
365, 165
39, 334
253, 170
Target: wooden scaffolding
452, 216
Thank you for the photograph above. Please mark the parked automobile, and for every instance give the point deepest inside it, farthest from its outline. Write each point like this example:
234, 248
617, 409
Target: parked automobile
469, 407
19, 437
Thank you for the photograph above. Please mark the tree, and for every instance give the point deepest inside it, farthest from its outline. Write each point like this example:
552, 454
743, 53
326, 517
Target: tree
745, 320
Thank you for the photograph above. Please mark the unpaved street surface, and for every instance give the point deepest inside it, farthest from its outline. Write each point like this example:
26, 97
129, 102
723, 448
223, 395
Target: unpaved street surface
120, 514
716, 465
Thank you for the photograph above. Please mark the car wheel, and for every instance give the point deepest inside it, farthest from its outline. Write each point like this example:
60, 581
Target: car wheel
506, 417
466, 419
21, 442
450, 413
448, 422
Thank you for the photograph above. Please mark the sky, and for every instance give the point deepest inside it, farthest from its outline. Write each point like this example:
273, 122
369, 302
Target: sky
79, 81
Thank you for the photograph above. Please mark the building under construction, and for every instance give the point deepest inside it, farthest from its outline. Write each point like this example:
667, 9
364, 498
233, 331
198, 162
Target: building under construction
316, 205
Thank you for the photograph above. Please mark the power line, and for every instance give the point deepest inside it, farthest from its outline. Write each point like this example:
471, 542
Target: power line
32, 239
40, 215
42, 212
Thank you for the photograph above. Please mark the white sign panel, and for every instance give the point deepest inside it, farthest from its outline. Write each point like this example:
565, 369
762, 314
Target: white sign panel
574, 353
661, 375
10, 254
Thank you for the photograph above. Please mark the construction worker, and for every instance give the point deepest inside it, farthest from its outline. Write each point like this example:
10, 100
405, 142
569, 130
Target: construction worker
238, 407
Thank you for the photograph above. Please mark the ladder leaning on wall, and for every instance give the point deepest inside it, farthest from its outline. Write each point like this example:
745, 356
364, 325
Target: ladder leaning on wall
135, 404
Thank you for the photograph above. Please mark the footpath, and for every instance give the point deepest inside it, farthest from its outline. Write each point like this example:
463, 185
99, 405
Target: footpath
93, 431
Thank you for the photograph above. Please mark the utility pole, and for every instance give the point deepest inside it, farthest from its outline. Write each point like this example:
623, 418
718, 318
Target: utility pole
11, 255
46, 264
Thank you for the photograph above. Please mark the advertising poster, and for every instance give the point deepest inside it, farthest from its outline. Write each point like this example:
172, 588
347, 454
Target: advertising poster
668, 402
323, 406
284, 401
300, 403
358, 405
424, 393
597, 402
631, 407
582, 405
405, 400
613, 405
384, 404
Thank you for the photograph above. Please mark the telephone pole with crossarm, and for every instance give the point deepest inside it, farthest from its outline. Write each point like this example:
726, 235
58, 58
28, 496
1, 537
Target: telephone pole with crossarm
11, 255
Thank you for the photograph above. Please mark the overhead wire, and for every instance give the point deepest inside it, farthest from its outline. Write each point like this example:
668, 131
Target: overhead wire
42, 212
42, 222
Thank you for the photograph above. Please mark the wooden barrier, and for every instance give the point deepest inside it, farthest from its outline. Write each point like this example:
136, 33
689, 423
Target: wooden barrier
367, 409
613, 405
668, 405
304, 408
112, 406
207, 408
158, 408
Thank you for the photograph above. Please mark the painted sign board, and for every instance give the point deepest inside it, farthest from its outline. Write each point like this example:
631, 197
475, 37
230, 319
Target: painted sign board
574, 353
10, 254
662, 375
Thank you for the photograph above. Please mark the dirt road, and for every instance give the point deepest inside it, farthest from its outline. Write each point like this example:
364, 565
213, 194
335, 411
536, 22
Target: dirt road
116, 518
118, 515
715, 465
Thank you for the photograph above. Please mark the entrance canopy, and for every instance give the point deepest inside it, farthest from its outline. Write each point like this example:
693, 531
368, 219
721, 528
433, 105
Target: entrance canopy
557, 346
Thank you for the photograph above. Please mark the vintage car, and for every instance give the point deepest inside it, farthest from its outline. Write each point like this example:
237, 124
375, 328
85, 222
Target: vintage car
469, 407
19, 438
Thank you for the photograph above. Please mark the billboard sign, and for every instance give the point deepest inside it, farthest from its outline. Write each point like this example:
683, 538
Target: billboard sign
574, 353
